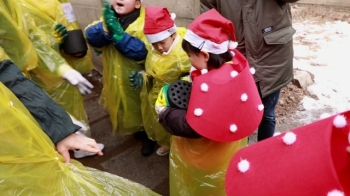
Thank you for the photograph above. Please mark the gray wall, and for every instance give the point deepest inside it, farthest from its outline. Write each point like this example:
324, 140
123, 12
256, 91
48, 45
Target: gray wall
88, 11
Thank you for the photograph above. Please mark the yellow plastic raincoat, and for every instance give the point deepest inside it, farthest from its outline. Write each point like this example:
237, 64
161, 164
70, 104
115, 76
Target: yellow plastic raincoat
14, 37
48, 13
47, 73
161, 70
198, 166
122, 102
30, 165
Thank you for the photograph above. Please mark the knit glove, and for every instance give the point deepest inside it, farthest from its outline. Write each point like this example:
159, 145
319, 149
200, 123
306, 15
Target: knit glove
111, 22
60, 34
162, 100
136, 79
76, 79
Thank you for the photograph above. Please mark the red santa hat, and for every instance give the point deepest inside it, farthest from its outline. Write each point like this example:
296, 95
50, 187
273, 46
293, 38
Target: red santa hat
309, 160
224, 104
159, 24
211, 32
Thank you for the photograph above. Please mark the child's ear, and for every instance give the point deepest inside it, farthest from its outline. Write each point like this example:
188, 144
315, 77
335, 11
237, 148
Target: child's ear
205, 55
137, 4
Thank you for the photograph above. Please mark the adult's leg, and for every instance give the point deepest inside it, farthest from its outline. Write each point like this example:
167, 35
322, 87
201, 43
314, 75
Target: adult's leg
268, 123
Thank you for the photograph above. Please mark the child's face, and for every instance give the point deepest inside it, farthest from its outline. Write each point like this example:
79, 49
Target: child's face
199, 61
164, 45
124, 7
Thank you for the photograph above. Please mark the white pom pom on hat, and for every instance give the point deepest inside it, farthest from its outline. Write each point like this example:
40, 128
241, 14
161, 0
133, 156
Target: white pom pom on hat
243, 166
336, 193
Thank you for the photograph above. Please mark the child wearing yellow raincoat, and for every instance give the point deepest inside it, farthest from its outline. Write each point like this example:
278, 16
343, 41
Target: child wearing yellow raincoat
224, 108
30, 164
166, 62
119, 36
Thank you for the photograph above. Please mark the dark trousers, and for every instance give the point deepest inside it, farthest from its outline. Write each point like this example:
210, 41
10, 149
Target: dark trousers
267, 125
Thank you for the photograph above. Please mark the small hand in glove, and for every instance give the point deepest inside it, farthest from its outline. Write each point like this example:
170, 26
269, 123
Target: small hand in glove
136, 79
76, 79
111, 22
162, 100
60, 33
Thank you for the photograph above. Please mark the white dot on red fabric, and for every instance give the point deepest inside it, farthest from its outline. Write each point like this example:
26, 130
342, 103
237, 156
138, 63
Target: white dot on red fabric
233, 128
243, 166
198, 112
261, 107
335, 193
289, 138
339, 121
244, 97
234, 73
252, 70
204, 87
204, 71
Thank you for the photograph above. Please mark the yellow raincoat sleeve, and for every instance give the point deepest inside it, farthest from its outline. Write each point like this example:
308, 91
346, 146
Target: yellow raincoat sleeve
14, 37
161, 70
30, 165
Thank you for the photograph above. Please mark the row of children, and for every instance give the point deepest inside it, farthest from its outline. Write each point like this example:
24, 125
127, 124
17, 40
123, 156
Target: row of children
217, 111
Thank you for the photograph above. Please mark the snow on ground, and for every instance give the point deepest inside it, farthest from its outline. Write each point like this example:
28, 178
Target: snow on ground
323, 49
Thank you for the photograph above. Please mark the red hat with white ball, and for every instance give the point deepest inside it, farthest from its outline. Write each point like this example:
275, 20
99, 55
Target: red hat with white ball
159, 23
224, 104
309, 160
211, 32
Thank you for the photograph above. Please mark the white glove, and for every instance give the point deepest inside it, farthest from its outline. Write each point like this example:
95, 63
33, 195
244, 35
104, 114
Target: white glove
76, 79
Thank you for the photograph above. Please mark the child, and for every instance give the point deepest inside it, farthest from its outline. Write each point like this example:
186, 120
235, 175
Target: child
119, 35
166, 62
308, 160
224, 107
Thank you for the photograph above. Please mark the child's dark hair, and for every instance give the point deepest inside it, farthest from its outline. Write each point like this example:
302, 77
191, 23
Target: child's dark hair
215, 60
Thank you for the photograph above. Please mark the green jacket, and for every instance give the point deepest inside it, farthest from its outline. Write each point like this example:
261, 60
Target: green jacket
265, 36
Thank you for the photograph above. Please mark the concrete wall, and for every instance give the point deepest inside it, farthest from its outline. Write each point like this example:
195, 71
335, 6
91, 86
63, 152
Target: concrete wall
327, 2
88, 11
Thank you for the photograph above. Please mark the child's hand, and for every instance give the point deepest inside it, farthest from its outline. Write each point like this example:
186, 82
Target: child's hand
75, 141
162, 100
136, 79
60, 33
112, 23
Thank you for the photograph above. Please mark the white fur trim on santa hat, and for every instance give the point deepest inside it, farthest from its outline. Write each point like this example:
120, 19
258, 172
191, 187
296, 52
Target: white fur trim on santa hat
243, 166
339, 121
205, 44
153, 38
335, 193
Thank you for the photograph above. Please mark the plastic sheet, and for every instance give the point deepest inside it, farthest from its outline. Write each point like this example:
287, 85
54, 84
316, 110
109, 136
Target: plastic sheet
30, 165
14, 37
48, 13
46, 59
121, 101
198, 166
161, 70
